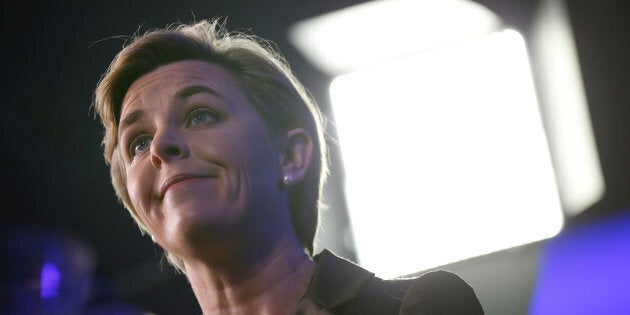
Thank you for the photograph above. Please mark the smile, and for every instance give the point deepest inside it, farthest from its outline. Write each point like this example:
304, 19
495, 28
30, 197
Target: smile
177, 179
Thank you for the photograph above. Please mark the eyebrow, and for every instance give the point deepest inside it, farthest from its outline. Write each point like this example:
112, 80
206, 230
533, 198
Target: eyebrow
180, 95
130, 119
194, 89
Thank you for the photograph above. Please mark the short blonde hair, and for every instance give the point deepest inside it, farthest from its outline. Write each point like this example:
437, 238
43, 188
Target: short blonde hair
264, 77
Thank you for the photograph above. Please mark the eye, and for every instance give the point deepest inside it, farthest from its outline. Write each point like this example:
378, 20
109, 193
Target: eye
201, 116
139, 145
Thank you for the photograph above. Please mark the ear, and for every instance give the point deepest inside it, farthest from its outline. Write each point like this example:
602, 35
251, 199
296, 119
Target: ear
296, 154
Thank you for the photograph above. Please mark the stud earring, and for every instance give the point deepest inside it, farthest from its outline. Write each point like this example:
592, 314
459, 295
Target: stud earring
153, 238
287, 180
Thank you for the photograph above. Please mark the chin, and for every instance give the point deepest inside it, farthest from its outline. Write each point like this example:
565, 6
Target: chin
197, 228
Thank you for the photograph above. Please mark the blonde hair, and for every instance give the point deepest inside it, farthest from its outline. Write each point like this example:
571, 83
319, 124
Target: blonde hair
263, 75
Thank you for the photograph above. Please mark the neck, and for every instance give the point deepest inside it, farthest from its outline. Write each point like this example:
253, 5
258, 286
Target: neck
269, 284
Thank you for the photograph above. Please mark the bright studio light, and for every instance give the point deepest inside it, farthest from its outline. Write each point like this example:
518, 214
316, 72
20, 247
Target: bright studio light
445, 156
374, 31
565, 107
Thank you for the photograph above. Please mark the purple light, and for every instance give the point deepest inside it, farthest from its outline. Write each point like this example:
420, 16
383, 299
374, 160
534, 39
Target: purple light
49, 281
586, 270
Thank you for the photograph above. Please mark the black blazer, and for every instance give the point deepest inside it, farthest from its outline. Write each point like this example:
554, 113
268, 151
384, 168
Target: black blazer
339, 286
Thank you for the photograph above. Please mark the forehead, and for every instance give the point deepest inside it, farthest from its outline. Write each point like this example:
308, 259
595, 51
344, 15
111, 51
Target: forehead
168, 79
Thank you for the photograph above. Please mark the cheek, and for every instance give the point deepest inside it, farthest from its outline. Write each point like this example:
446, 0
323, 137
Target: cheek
250, 144
139, 190
133, 189
261, 160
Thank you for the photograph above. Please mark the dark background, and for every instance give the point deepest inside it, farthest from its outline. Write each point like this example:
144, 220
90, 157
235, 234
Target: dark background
54, 175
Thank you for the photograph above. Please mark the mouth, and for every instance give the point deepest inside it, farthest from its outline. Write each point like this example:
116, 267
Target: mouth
176, 179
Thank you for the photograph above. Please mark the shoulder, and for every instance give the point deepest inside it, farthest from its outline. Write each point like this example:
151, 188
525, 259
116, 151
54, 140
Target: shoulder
342, 287
345, 288
440, 292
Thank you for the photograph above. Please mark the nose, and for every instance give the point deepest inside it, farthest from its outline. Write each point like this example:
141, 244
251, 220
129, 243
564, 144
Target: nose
166, 146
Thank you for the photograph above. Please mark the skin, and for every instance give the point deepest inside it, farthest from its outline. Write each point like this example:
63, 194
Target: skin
205, 178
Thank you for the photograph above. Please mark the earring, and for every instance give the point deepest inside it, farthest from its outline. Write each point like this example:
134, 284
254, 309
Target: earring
153, 238
287, 180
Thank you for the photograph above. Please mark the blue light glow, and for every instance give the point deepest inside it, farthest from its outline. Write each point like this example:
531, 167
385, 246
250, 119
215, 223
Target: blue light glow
49, 281
586, 270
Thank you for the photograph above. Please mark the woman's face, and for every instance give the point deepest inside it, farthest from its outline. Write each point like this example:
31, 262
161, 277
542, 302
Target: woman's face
197, 158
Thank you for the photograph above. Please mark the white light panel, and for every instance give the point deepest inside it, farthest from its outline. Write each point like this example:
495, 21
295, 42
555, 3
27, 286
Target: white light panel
565, 109
374, 31
445, 156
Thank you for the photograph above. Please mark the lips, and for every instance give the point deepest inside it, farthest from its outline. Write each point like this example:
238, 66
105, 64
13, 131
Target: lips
176, 179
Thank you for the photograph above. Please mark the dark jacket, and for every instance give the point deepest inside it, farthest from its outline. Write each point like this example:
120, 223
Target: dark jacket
338, 286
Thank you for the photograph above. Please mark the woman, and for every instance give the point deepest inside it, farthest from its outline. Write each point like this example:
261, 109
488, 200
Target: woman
218, 153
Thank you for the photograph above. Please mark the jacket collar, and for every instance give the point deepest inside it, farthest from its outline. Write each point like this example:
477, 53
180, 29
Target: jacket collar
336, 280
